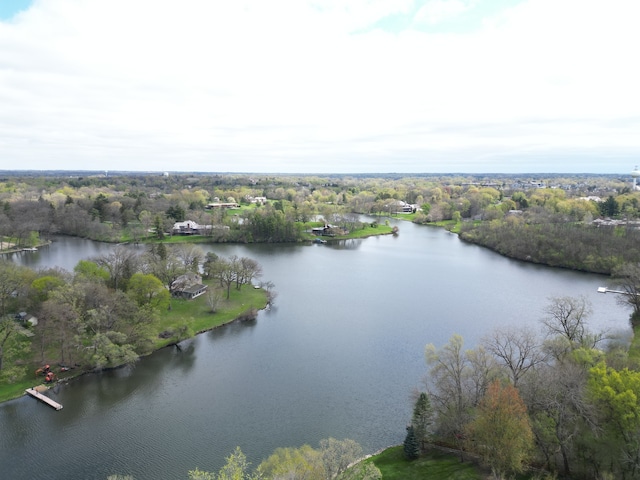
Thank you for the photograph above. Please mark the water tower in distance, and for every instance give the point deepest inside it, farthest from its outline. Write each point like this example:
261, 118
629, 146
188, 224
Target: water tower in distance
635, 174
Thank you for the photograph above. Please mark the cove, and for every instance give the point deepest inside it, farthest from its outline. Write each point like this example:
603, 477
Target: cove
338, 355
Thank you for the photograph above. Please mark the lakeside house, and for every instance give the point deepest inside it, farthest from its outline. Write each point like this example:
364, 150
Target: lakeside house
400, 206
329, 230
256, 200
26, 319
223, 205
188, 286
189, 227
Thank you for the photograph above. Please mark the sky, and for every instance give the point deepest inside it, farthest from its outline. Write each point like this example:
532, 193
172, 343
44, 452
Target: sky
320, 86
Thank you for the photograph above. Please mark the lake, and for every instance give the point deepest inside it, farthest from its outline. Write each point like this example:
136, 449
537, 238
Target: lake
338, 355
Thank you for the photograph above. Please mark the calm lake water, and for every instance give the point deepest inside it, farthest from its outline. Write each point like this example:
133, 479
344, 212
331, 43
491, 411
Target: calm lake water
337, 356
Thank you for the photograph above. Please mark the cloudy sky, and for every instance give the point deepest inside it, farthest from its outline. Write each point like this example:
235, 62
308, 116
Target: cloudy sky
320, 86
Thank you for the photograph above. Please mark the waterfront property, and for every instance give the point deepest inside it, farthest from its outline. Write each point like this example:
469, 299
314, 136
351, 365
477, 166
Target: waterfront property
189, 227
188, 286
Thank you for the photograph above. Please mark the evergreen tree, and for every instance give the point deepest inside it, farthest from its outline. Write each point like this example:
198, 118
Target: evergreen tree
157, 224
411, 446
609, 208
422, 420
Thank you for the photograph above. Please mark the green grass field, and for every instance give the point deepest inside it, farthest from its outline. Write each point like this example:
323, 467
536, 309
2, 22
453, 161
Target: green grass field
196, 314
435, 466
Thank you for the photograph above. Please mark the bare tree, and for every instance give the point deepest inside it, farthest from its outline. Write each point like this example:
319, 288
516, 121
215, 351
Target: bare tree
566, 325
190, 255
559, 408
214, 297
121, 264
628, 279
516, 348
449, 373
248, 269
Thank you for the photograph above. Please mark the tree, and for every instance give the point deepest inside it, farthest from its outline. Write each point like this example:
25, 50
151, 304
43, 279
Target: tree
566, 325
303, 463
59, 323
198, 474
411, 446
13, 282
560, 412
422, 419
8, 330
248, 269
208, 266
361, 471
236, 468
337, 455
517, 349
501, 432
227, 271
121, 264
176, 212
617, 396
158, 226
148, 290
111, 350
627, 277
450, 391
214, 297
90, 271
609, 208
190, 255
41, 286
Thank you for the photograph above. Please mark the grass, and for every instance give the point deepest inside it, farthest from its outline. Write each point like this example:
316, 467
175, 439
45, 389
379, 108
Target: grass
366, 230
9, 391
195, 314
435, 466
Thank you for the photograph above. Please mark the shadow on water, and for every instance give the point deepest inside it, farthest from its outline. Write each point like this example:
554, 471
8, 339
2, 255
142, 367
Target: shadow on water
350, 244
185, 355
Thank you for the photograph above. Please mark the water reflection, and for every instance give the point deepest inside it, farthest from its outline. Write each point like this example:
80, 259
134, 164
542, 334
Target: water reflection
350, 244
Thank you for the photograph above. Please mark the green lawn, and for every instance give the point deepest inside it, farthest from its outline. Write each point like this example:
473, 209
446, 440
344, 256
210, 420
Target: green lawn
14, 390
367, 230
194, 314
434, 466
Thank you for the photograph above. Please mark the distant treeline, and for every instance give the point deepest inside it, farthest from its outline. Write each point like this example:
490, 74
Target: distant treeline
568, 245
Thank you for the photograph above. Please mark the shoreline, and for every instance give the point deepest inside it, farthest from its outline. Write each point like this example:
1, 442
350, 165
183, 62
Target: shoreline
67, 379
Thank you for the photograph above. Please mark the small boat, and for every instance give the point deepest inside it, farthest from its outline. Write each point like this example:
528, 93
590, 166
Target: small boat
31, 249
319, 241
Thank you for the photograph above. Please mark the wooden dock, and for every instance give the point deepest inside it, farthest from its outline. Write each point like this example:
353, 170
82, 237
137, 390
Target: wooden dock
52, 403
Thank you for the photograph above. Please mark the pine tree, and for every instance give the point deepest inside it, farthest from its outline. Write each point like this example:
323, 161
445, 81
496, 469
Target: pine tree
422, 420
411, 446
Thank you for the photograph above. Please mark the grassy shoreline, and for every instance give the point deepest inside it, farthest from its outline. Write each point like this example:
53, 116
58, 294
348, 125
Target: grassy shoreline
194, 314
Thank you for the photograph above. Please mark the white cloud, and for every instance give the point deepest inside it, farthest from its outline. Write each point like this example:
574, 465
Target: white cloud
437, 11
293, 86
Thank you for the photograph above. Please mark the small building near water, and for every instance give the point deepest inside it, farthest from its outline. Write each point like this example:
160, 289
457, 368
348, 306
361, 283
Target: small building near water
188, 286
